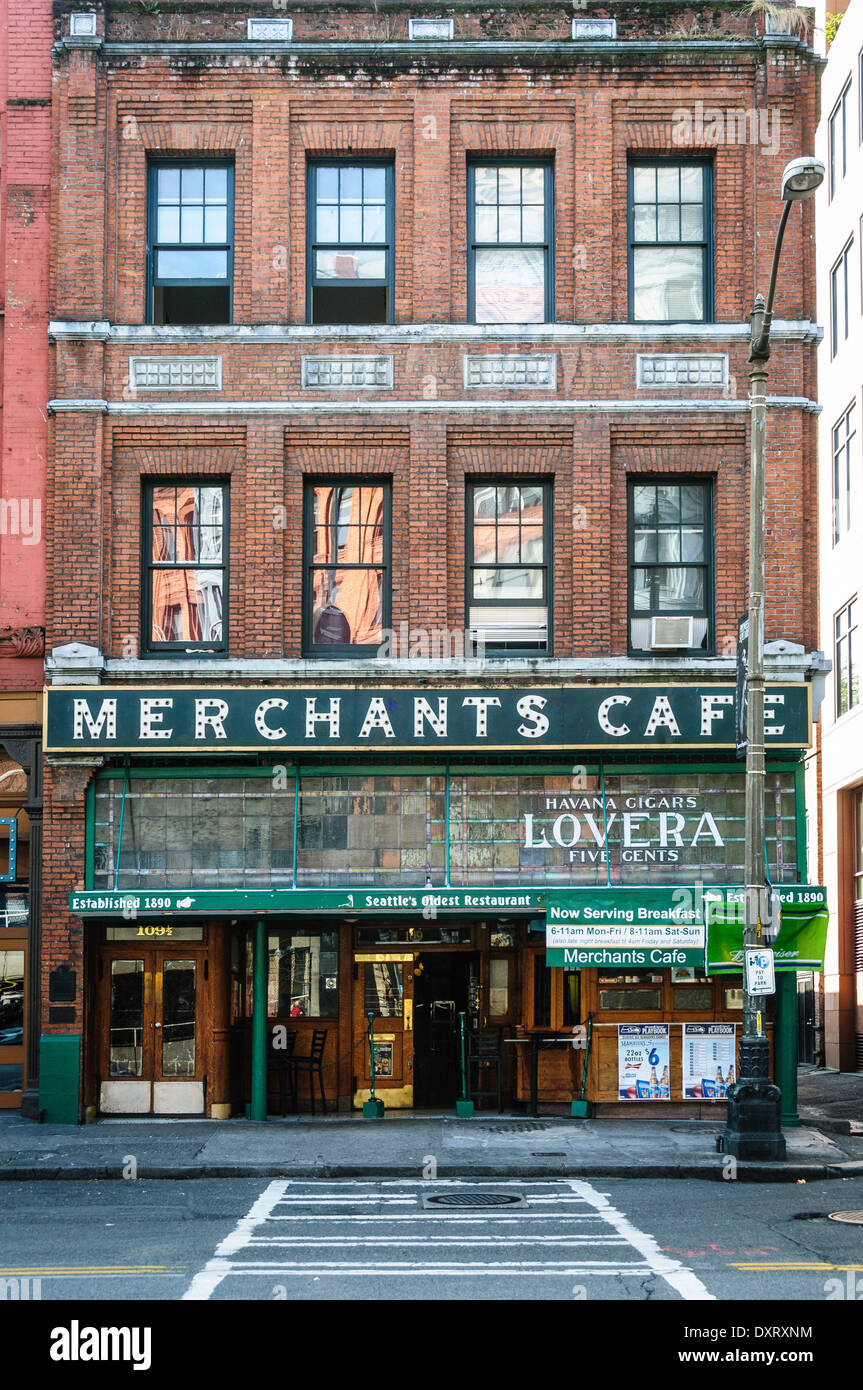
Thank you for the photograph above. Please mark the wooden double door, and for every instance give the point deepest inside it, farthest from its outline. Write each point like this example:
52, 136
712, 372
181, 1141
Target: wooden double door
152, 1016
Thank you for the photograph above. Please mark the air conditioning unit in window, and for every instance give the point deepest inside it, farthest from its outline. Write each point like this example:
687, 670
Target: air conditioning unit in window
671, 634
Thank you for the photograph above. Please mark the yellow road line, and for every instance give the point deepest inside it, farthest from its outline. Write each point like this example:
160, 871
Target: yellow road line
796, 1264
92, 1269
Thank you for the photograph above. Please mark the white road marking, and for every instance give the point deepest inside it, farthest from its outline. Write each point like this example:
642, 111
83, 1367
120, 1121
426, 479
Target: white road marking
239, 1254
681, 1279
216, 1269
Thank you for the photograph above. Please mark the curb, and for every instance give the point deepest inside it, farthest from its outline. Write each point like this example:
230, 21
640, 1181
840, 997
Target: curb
707, 1172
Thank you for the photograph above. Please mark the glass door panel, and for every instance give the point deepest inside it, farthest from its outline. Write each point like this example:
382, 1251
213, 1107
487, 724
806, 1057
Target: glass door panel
126, 1019
179, 983
11, 1027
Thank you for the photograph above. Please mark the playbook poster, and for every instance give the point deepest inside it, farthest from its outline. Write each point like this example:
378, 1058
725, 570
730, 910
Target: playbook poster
642, 1061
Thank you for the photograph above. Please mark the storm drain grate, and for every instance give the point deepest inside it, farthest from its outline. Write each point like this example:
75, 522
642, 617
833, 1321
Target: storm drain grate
525, 1127
471, 1200
849, 1218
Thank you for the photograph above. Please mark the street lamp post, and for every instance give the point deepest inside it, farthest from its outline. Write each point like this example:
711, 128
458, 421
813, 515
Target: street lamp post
753, 1124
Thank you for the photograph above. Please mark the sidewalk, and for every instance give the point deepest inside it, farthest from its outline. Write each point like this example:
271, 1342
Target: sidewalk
405, 1145
831, 1099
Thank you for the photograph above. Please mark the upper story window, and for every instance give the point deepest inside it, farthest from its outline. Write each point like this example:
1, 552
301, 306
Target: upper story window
348, 583
185, 589
670, 567
846, 664
191, 215
846, 473
840, 299
837, 128
670, 241
508, 565
350, 241
510, 221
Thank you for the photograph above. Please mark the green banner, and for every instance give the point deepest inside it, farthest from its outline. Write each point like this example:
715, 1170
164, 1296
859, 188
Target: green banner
799, 945
608, 957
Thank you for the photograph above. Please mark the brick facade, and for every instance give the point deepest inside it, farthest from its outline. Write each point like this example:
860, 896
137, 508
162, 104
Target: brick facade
587, 108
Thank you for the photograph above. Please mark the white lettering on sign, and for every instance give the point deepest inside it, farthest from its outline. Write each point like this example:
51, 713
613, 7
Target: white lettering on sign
377, 718
605, 724
481, 702
423, 712
261, 724
104, 725
775, 730
530, 707
210, 714
315, 716
661, 716
707, 825
150, 718
709, 712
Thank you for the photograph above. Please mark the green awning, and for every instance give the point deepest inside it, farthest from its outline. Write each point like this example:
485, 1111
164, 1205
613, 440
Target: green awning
799, 945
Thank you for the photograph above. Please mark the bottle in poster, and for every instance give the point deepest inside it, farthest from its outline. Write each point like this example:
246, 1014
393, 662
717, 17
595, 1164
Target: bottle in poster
654, 1085
664, 1087
720, 1084
729, 1080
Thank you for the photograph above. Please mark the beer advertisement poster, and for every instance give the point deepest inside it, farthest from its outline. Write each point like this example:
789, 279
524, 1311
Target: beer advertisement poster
642, 1061
708, 1060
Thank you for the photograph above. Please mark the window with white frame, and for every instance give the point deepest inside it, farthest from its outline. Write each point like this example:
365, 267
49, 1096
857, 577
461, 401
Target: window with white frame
846, 473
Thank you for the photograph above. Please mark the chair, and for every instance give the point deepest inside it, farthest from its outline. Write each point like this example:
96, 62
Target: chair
282, 1058
485, 1051
311, 1064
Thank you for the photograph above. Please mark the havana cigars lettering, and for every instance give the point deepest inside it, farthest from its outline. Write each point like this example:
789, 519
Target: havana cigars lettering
642, 828
245, 717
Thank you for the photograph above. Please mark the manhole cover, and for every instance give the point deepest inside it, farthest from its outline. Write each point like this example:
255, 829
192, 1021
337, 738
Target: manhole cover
473, 1199
850, 1218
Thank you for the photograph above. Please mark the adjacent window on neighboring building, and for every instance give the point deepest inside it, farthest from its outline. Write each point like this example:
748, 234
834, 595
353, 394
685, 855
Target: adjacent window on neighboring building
190, 242
350, 241
510, 220
670, 241
347, 566
508, 565
847, 658
838, 138
670, 566
846, 473
840, 290
185, 566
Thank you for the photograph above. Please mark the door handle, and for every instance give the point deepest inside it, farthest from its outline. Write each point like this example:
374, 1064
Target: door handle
157, 1025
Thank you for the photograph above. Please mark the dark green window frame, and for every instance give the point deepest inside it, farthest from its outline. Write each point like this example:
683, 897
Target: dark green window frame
544, 566
546, 245
705, 242
342, 649
155, 245
314, 245
707, 565
148, 567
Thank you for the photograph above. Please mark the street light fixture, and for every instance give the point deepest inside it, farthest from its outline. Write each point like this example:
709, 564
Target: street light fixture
753, 1124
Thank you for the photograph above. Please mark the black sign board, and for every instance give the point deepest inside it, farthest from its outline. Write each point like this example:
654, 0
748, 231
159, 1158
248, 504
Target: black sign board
62, 986
266, 719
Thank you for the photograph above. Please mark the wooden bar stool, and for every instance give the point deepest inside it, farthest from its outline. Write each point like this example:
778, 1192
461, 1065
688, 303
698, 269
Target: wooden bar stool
311, 1064
485, 1051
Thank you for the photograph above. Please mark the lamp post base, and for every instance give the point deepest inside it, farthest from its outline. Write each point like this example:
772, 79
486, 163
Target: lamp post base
754, 1120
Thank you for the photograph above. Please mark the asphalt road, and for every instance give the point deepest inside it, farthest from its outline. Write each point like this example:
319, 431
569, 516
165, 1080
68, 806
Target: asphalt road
564, 1239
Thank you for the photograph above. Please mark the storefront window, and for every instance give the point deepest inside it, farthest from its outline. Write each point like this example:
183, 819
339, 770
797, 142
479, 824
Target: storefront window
390, 829
126, 1041
498, 987
303, 980
371, 829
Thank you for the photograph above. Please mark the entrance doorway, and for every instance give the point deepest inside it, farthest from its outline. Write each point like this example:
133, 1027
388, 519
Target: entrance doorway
152, 1007
441, 993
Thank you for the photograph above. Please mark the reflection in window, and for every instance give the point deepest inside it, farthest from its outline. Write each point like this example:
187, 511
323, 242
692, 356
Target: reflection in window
847, 658
11, 999
348, 574
670, 240
187, 566
386, 829
303, 974
178, 1018
510, 242
349, 255
126, 1025
508, 553
383, 989
669, 559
